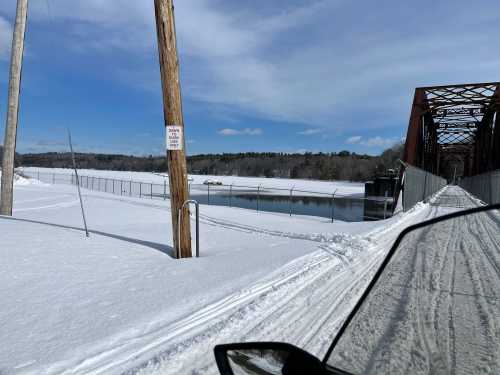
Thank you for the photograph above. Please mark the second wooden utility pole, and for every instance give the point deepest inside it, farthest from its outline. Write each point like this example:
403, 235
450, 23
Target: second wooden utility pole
9, 143
174, 123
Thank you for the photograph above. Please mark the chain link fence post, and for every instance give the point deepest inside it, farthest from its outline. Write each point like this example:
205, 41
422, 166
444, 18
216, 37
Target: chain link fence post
258, 197
385, 203
333, 205
491, 188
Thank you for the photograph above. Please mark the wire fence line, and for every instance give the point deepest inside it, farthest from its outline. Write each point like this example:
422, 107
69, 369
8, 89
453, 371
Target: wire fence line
419, 185
292, 201
485, 186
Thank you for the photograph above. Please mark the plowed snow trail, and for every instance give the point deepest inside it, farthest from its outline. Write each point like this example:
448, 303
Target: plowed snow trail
437, 308
303, 303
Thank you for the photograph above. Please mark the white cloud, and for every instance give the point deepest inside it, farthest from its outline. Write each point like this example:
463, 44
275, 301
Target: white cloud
5, 38
380, 142
377, 141
251, 61
246, 131
354, 139
313, 131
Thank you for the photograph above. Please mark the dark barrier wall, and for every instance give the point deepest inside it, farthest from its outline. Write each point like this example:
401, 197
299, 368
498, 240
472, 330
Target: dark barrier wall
419, 185
485, 186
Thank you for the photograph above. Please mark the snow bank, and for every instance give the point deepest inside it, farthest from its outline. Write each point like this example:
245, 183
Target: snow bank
20, 180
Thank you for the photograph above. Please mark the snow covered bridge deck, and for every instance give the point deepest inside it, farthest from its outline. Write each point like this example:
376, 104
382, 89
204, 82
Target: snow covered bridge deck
437, 308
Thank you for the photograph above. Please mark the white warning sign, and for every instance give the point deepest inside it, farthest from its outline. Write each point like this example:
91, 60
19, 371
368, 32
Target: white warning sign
174, 138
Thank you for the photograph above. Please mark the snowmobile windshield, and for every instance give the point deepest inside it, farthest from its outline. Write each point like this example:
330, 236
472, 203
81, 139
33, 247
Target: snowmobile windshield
435, 308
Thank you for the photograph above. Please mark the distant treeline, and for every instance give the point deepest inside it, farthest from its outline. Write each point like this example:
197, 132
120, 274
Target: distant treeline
343, 165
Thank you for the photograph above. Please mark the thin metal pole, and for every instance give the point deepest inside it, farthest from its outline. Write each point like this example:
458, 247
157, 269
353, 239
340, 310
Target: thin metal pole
291, 199
258, 197
113, 182
130, 190
140, 189
78, 183
333, 204
151, 190
231, 195
425, 187
121, 187
385, 203
197, 230
208, 194
491, 188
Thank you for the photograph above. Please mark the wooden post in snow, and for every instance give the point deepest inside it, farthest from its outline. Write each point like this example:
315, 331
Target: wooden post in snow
174, 123
9, 144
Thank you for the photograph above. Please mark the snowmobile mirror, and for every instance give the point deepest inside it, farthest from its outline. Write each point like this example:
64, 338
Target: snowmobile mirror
266, 358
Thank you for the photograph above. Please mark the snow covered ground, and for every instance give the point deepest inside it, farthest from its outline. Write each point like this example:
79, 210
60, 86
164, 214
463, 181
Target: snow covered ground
118, 302
301, 187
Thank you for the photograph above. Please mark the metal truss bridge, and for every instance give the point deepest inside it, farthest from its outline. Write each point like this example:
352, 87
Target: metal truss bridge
455, 129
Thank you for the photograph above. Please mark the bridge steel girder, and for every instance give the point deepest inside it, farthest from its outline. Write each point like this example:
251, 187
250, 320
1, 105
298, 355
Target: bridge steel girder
461, 120
495, 159
414, 141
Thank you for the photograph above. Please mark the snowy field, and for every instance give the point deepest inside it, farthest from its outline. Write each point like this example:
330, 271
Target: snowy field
118, 301
301, 187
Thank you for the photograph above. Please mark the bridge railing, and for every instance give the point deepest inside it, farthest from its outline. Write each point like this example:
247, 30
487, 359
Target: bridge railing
485, 186
419, 185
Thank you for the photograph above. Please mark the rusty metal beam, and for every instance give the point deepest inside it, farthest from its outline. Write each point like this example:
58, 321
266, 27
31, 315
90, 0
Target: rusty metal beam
414, 141
495, 163
462, 85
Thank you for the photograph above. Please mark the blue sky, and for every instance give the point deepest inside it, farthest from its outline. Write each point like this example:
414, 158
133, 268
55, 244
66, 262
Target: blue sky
284, 76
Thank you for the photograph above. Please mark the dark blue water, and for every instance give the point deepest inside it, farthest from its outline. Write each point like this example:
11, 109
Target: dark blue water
346, 209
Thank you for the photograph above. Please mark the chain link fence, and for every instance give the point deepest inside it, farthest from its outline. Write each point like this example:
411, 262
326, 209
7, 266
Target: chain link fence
291, 201
419, 185
485, 186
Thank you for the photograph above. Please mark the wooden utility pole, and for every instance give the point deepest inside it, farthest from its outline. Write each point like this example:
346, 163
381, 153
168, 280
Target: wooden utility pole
9, 143
174, 123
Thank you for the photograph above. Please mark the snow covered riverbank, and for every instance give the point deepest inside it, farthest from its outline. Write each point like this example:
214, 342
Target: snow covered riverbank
268, 185
117, 301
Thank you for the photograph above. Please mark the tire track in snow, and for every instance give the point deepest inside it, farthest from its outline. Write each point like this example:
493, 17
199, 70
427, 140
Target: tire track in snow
466, 313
